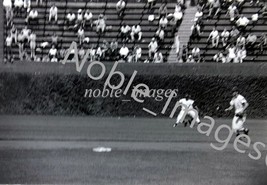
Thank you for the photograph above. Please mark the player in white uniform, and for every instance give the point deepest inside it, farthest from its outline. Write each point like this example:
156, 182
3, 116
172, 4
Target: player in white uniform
240, 104
189, 103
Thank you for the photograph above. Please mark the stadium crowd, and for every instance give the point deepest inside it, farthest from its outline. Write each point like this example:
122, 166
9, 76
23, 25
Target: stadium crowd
235, 42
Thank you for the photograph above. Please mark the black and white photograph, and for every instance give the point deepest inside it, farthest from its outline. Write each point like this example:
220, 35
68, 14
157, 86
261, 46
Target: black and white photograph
133, 92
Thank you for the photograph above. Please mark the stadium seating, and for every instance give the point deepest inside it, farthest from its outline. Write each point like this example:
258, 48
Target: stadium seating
135, 13
207, 52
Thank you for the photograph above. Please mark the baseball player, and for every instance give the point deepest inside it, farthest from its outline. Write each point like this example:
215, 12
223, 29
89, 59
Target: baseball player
240, 104
189, 104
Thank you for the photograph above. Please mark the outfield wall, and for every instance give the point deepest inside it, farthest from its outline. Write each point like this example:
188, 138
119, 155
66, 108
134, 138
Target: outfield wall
62, 93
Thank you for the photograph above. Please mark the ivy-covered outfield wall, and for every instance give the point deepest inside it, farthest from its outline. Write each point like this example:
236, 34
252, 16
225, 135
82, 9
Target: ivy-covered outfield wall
54, 94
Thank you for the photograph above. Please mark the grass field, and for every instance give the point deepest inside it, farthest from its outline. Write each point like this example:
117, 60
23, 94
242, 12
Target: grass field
145, 151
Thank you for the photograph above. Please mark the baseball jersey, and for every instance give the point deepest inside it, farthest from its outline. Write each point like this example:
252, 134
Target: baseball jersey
188, 103
238, 103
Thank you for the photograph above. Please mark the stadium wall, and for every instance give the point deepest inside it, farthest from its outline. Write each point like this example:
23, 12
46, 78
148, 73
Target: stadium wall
62, 93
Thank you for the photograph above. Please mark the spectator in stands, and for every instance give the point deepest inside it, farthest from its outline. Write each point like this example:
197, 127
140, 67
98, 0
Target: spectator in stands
177, 44
163, 22
54, 59
81, 53
100, 24
88, 17
219, 57
99, 53
79, 20
9, 47
158, 57
52, 53
160, 34
195, 31
151, 4
39, 2
54, 39
70, 19
196, 54
7, 5
18, 5
130, 58
185, 52
105, 49
25, 34
241, 55
120, 7
32, 17
33, 44
21, 46
231, 57
225, 37
232, 11
215, 37
242, 23
263, 42
152, 47
163, 10
241, 42
136, 33
113, 49
254, 18
190, 59
80, 35
264, 13
137, 53
27, 5
251, 40
198, 15
178, 15
14, 34
234, 33
9, 12
125, 32
215, 7
124, 51
92, 53
53, 13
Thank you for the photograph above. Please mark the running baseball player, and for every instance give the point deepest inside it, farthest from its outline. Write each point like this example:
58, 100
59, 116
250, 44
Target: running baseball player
189, 105
240, 104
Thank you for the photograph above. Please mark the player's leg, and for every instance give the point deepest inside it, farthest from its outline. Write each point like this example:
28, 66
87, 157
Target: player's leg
234, 125
241, 122
195, 116
179, 118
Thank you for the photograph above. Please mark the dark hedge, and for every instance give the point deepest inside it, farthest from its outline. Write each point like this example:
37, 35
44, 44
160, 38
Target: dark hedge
64, 95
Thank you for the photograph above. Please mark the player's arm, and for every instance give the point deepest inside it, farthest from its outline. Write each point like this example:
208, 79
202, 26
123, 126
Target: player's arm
230, 107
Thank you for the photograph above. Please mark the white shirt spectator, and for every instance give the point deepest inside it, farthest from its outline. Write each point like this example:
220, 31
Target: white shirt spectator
242, 21
88, 15
53, 52
7, 3
125, 29
214, 34
18, 3
153, 45
124, 51
53, 13
158, 58
198, 15
80, 15
136, 29
71, 17
255, 17
33, 14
